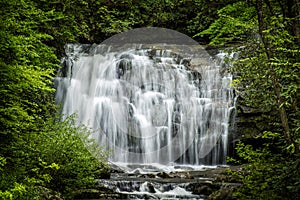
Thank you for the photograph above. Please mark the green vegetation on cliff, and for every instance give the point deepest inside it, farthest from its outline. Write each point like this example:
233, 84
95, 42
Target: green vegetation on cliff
268, 77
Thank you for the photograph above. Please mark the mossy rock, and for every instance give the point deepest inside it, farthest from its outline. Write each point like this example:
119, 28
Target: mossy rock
222, 194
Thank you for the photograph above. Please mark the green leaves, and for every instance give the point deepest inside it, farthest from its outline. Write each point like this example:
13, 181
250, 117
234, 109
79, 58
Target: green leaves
2, 163
38, 153
27, 66
56, 158
267, 174
236, 22
268, 77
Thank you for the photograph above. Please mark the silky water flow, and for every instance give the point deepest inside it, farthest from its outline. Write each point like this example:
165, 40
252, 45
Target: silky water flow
149, 104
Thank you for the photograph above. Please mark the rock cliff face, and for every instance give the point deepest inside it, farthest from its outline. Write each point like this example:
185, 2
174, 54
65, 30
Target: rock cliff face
249, 124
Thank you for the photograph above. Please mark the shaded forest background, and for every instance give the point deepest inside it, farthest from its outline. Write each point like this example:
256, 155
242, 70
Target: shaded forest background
42, 157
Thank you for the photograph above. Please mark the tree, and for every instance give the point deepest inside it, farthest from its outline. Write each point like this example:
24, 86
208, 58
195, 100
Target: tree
236, 23
38, 153
27, 67
268, 76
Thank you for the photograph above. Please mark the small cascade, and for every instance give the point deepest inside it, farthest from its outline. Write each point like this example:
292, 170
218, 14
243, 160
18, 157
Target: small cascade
155, 181
149, 104
149, 190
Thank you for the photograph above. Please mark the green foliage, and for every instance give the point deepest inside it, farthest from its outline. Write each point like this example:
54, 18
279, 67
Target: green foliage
206, 13
75, 158
61, 158
39, 156
272, 83
236, 22
268, 174
2, 162
267, 80
92, 21
268, 69
27, 67
123, 15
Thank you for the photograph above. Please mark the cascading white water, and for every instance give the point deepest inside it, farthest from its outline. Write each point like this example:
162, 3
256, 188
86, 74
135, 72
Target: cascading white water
148, 105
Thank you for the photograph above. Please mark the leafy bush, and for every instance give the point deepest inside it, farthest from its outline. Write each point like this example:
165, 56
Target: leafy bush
62, 158
234, 23
268, 171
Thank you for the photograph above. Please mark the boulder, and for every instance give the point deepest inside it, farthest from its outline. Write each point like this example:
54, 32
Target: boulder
163, 175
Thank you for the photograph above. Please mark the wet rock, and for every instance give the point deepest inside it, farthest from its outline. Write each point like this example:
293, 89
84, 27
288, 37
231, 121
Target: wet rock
203, 190
137, 171
142, 196
163, 175
181, 175
147, 176
162, 189
150, 175
213, 183
103, 193
131, 175
222, 194
150, 187
183, 167
147, 187
115, 169
187, 175
212, 50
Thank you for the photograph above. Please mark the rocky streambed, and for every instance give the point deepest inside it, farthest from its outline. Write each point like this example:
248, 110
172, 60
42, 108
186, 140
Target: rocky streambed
164, 182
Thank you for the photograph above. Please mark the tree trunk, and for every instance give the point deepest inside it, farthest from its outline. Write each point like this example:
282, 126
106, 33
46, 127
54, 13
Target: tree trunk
277, 88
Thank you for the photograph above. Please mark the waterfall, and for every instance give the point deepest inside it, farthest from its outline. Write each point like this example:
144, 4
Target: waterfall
148, 103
